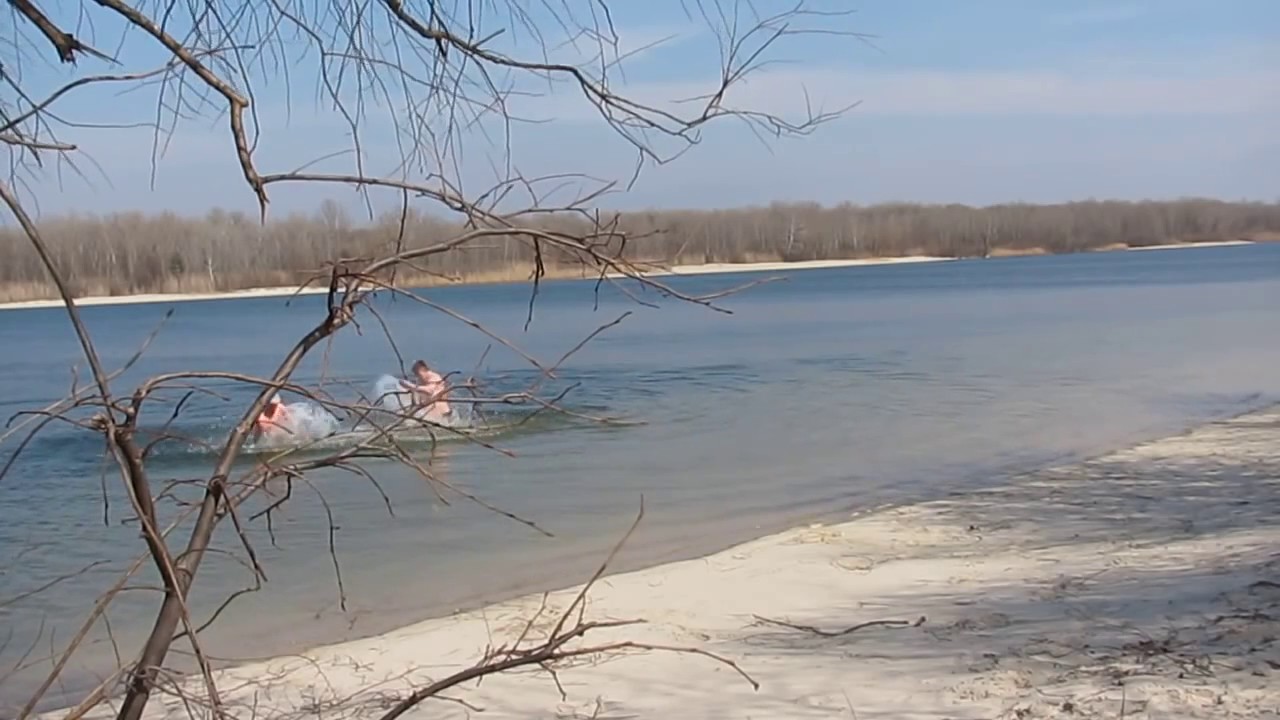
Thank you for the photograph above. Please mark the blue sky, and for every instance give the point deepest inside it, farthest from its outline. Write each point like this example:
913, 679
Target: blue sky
980, 101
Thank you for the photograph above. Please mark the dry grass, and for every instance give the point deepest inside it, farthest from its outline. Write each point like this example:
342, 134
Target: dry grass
1112, 247
133, 253
130, 255
202, 284
1018, 252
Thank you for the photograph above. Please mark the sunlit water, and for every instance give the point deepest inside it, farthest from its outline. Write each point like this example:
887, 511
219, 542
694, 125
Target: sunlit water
835, 391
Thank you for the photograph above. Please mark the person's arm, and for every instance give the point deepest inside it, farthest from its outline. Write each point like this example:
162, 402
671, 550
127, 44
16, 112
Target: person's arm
416, 392
409, 387
427, 392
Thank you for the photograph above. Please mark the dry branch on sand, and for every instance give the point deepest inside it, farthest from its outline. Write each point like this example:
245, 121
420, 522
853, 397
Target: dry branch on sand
440, 72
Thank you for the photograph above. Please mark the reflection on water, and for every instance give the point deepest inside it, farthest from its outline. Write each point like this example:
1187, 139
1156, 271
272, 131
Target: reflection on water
834, 391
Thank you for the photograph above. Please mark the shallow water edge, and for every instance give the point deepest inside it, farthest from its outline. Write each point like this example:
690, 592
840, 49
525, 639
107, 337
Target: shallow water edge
656, 560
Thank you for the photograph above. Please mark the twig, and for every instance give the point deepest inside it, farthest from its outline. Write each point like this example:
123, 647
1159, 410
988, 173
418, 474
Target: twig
840, 633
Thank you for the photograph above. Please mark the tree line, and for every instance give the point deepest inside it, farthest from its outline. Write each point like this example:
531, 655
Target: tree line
132, 252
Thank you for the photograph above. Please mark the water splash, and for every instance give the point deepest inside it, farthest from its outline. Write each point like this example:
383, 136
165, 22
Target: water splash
390, 396
390, 409
303, 422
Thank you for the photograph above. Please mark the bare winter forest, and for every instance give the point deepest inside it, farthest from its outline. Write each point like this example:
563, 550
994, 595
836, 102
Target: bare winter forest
130, 253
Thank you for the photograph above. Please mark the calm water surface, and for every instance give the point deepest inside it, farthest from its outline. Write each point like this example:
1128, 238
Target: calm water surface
835, 391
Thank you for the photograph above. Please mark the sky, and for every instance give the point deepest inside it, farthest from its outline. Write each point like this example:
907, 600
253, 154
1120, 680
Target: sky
976, 102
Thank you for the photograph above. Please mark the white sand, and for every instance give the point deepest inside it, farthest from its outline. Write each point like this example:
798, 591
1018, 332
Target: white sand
710, 268
145, 298
1183, 246
705, 269
718, 268
1143, 584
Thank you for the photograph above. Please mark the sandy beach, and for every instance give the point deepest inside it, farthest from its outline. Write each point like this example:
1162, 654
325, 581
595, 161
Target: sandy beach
718, 268
705, 269
1140, 584
147, 298
1178, 246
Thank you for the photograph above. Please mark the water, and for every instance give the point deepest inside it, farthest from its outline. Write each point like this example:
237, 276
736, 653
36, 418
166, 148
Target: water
836, 391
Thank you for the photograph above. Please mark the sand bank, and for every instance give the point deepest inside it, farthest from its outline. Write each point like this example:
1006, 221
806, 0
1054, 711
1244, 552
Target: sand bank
656, 271
1140, 584
1181, 246
146, 298
707, 269
722, 268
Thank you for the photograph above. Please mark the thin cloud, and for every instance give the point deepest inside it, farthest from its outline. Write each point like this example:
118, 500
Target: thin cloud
928, 92
629, 47
1103, 15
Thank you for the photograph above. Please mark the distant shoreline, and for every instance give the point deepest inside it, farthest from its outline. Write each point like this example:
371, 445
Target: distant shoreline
704, 269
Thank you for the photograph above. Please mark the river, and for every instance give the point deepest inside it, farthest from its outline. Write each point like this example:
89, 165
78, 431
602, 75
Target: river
834, 391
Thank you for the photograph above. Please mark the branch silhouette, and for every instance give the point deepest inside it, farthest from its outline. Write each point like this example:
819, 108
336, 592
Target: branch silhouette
438, 74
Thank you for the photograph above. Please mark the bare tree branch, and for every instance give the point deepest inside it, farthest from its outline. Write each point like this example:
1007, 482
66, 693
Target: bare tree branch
440, 74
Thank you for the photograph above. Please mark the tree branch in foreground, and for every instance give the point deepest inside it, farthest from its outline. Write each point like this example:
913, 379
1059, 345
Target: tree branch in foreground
437, 73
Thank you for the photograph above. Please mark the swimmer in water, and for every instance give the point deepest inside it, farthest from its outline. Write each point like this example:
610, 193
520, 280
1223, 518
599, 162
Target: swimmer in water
428, 392
274, 415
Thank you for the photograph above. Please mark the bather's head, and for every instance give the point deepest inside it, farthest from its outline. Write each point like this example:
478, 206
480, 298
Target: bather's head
421, 370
